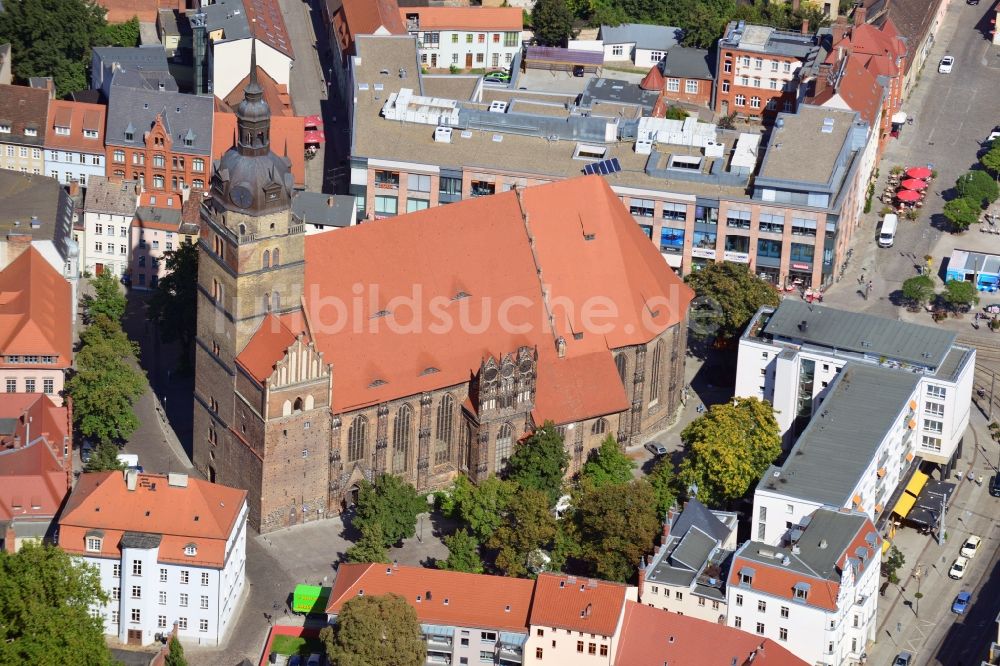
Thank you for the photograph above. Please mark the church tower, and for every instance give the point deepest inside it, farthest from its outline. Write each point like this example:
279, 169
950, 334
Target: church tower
251, 263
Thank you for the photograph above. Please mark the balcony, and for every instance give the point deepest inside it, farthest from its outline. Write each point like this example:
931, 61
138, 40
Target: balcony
482, 189
386, 180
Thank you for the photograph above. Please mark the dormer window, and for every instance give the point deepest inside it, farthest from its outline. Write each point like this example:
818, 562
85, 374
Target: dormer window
746, 576
30, 131
94, 543
4, 128
129, 136
62, 130
190, 550
801, 591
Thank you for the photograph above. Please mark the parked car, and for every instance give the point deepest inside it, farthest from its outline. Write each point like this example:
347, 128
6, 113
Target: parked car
903, 659
86, 450
971, 546
995, 485
314, 659
656, 448
958, 567
961, 602
946, 65
974, 3
497, 76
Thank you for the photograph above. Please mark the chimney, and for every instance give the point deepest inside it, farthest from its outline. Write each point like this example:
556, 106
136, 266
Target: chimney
839, 29
805, 26
561, 347
860, 15
642, 575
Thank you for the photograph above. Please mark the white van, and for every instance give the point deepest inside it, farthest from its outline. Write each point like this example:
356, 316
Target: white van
888, 233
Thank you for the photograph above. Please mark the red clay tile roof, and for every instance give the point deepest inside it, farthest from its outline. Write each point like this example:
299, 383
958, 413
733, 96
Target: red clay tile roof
446, 597
287, 139
652, 637
363, 17
270, 25
653, 80
24, 108
275, 94
34, 477
578, 604
77, 116
607, 288
202, 513
780, 582
266, 348
36, 311
860, 89
120, 11
572, 390
466, 18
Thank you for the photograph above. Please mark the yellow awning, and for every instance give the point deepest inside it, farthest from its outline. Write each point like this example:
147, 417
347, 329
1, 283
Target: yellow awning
904, 505
916, 483
885, 545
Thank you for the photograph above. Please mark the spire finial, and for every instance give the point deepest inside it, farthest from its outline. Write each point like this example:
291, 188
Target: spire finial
253, 57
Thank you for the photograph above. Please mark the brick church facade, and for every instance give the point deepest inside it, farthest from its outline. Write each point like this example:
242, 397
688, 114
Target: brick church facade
422, 346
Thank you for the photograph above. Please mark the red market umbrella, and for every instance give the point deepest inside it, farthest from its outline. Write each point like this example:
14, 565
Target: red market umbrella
913, 184
314, 121
315, 136
908, 195
918, 172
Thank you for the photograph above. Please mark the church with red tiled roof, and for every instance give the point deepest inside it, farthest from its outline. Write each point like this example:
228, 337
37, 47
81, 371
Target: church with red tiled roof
423, 346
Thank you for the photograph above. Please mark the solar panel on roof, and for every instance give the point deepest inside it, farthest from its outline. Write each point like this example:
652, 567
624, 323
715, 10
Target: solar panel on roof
604, 167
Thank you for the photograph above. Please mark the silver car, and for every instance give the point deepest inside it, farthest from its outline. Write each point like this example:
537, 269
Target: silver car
656, 448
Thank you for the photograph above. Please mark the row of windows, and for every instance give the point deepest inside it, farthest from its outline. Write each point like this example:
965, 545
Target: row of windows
782, 631
110, 230
74, 157
30, 385
23, 152
30, 358
690, 86
758, 64
510, 39
99, 247
480, 58
159, 161
161, 620
159, 181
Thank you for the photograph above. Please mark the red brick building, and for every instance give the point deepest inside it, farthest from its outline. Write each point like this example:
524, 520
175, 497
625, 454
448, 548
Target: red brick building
685, 75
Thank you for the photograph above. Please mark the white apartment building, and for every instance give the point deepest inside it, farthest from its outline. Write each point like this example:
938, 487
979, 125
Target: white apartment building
109, 209
817, 596
641, 44
168, 550
686, 574
790, 356
465, 37
74, 141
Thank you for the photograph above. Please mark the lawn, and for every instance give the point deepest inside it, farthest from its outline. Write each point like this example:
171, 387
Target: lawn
296, 645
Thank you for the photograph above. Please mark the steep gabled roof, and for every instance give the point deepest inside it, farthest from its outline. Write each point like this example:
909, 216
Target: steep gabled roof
578, 604
464, 266
363, 17
36, 310
266, 348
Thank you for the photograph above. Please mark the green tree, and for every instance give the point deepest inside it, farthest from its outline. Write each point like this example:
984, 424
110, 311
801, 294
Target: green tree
45, 600
607, 465
731, 295
894, 561
370, 547
540, 462
463, 553
614, 526
176, 655
108, 298
977, 186
676, 113
122, 34
53, 38
991, 158
174, 304
962, 213
105, 385
959, 294
728, 448
528, 525
375, 630
104, 458
662, 480
392, 503
918, 290
480, 506
552, 21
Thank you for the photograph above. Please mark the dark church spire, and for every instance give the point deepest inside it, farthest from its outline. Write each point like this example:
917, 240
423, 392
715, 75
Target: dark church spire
253, 114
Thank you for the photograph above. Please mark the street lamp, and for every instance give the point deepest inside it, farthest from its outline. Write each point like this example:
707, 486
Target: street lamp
918, 573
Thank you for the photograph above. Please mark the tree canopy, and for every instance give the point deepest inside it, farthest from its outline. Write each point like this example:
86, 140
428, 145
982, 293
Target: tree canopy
728, 448
958, 293
918, 289
730, 295
45, 601
607, 465
463, 553
528, 525
105, 386
552, 21
108, 299
480, 506
962, 212
371, 547
173, 306
613, 526
977, 186
375, 630
991, 158
391, 503
176, 655
54, 38
661, 479
104, 458
540, 462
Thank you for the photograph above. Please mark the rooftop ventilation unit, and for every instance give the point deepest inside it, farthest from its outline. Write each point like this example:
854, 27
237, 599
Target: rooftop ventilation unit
442, 135
498, 107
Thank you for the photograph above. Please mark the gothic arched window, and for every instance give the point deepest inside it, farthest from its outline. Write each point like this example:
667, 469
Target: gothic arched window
445, 423
275, 301
266, 261
505, 439
276, 257
356, 436
620, 361
600, 427
654, 372
401, 439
